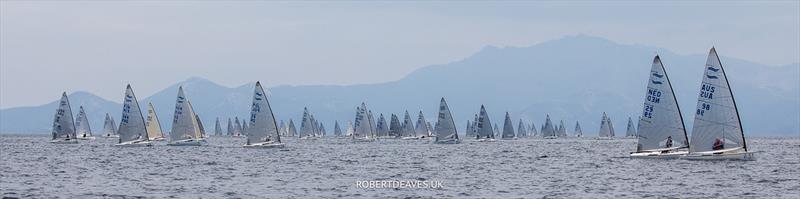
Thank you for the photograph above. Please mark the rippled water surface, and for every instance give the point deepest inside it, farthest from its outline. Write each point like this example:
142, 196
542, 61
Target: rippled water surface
561, 168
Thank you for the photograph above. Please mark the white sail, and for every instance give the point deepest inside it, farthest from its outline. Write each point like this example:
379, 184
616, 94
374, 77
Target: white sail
230, 130
82, 128
422, 127
445, 125
322, 130
217, 128
200, 132
382, 128
522, 130
508, 128
237, 127
548, 130
362, 127
373, 126
408, 126
533, 131
562, 130
337, 131
605, 129
578, 130
184, 122
349, 129
395, 128
292, 129
631, 129
63, 124
306, 125
263, 127
244, 126
132, 123
153, 124
109, 128
661, 125
484, 129
717, 125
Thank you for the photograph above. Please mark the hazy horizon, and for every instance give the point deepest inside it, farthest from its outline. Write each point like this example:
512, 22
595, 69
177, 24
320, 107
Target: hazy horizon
99, 47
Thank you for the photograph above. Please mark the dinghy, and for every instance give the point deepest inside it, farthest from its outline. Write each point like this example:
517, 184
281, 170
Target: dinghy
217, 128
306, 125
422, 128
337, 131
372, 125
578, 130
445, 129
349, 132
154, 132
484, 129
362, 127
631, 130
109, 128
508, 129
606, 131
717, 132
382, 127
322, 130
548, 131
562, 130
522, 130
63, 124
292, 130
533, 131
662, 133
230, 127
82, 128
132, 129
408, 128
185, 130
395, 128
263, 130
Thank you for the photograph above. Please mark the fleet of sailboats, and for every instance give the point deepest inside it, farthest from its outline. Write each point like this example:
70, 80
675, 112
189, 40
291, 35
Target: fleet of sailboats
660, 132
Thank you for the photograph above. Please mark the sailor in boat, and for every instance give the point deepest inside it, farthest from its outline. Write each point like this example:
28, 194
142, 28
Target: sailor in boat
718, 144
268, 138
669, 141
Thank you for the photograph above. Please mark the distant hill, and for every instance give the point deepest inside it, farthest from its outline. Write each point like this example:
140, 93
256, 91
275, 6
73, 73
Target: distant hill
573, 79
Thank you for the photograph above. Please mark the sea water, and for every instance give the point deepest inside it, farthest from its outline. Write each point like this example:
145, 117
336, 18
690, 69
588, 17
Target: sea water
330, 167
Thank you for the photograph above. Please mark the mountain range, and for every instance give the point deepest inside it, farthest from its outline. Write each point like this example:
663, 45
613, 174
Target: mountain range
575, 78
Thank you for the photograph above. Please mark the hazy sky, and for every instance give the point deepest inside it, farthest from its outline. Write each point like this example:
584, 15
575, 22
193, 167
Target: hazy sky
47, 47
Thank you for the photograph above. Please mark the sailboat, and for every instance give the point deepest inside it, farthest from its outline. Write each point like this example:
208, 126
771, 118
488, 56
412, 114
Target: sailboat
606, 131
395, 128
237, 127
508, 128
372, 124
132, 129
154, 132
349, 132
662, 133
497, 131
263, 130
562, 129
63, 124
362, 129
82, 128
408, 128
185, 130
337, 131
717, 133
382, 127
485, 132
292, 130
306, 125
200, 124
533, 131
548, 131
445, 129
631, 129
217, 128
322, 130
109, 127
522, 130
578, 130
422, 128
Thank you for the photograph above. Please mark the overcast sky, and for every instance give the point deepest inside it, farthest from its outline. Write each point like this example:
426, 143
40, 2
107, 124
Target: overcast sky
48, 47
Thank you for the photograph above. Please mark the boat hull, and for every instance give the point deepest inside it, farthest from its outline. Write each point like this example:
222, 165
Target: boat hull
550, 137
64, 141
658, 155
454, 141
739, 155
137, 143
86, 138
410, 138
265, 145
158, 139
487, 140
190, 142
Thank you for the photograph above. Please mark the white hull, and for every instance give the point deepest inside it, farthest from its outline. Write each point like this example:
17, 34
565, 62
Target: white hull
550, 137
410, 138
486, 140
86, 138
659, 154
64, 141
603, 138
454, 141
722, 155
364, 139
265, 145
111, 136
509, 138
157, 139
189, 142
137, 143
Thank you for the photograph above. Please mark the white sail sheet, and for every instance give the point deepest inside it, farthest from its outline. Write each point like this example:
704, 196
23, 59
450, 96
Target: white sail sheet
408, 126
372, 125
508, 127
337, 130
631, 129
446, 126
82, 128
422, 127
292, 129
717, 124
200, 132
237, 127
306, 125
362, 127
131, 124
153, 124
382, 127
184, 123
548, 130
349, 128
484, 125
605, 129
217, 128
322, 130
109, 128
533, 131
578, 130
63, 124
263, 127
230, 129
522, 130
395, 128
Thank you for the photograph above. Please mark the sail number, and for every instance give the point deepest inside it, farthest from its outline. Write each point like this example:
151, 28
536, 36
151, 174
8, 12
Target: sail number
653, 95
707, 91
648, 111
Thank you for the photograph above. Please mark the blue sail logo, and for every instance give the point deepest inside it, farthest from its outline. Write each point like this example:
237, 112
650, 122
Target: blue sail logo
657, 76
712, 69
